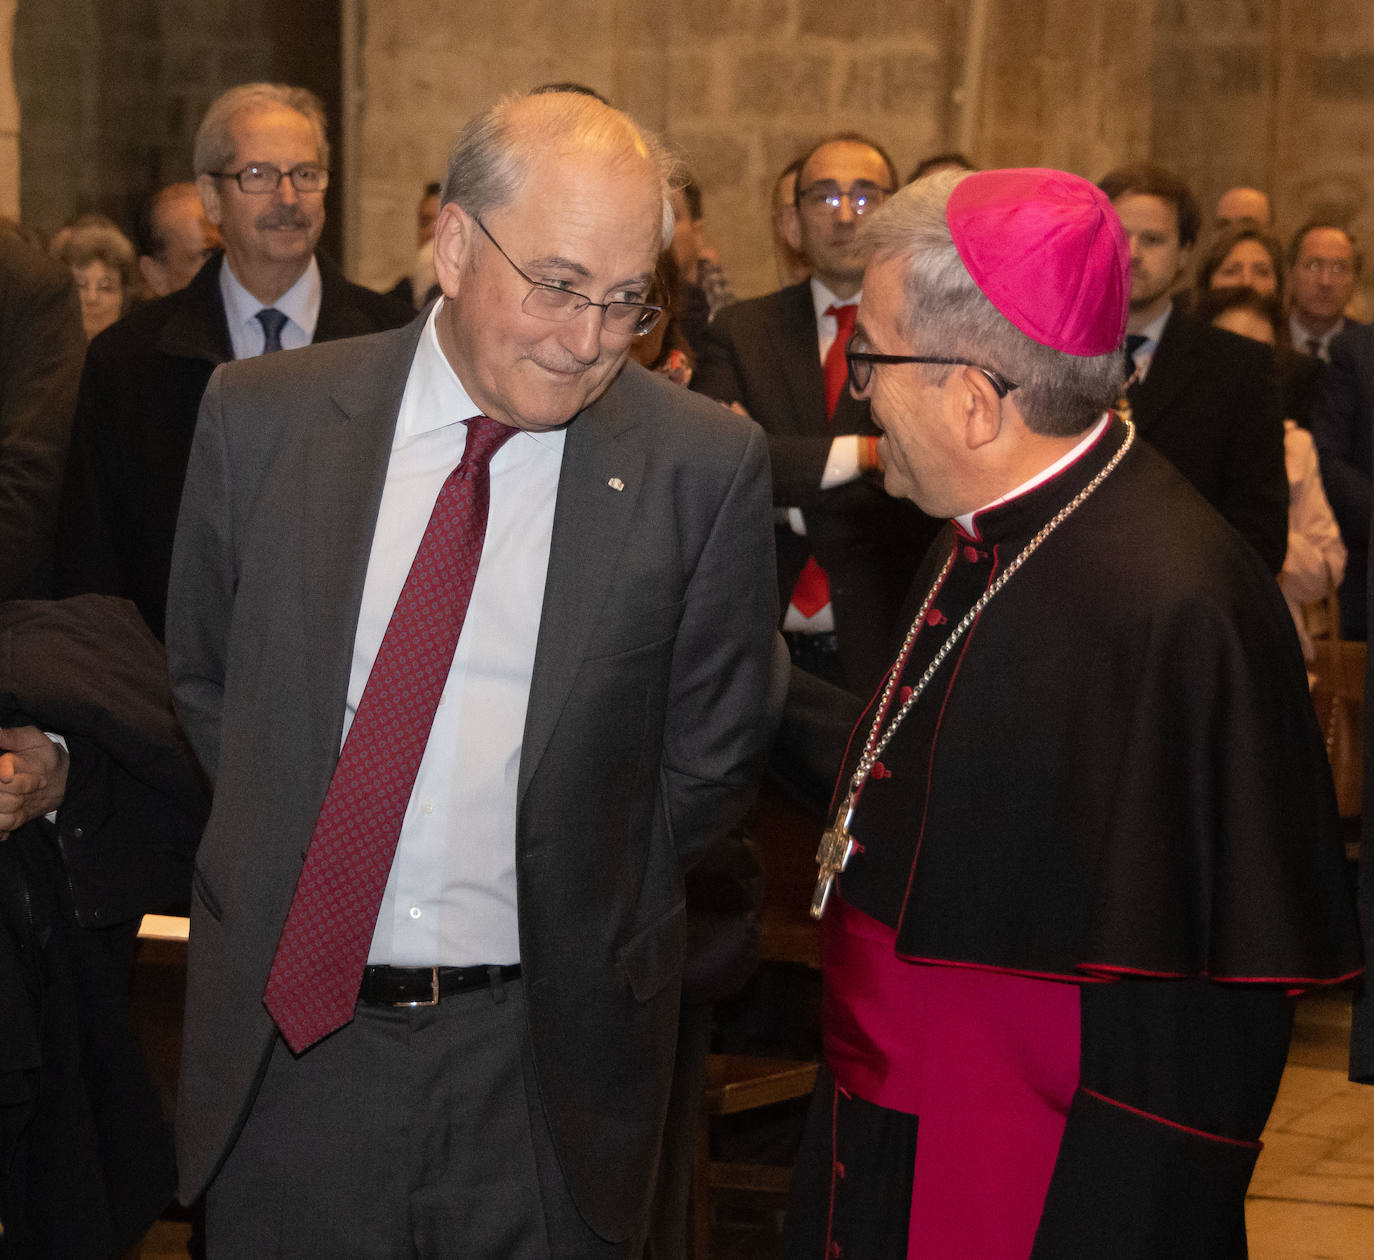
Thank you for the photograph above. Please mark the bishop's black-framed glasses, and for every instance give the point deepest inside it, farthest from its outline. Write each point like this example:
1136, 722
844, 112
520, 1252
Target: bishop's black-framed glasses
860, 363
548, 301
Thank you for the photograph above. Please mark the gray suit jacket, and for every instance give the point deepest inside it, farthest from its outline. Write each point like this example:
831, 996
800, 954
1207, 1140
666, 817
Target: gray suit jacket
657, 682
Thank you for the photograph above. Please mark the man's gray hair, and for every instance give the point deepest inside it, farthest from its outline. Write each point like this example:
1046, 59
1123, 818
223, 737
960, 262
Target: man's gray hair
946, 313
214, 148
491, 157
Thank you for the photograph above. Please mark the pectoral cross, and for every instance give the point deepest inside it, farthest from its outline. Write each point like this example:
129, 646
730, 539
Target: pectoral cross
833, 855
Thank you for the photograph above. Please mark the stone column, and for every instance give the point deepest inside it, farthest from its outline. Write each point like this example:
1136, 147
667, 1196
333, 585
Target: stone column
1066, 84
9, 115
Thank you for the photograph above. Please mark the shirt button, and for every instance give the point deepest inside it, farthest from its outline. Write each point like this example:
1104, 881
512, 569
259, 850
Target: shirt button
414, 912
427, 807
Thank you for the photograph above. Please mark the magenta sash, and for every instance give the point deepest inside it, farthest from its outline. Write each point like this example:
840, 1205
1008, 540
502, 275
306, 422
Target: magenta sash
988, 1062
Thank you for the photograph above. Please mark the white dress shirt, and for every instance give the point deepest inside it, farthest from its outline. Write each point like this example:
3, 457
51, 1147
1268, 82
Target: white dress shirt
300, 304
841, 464
1152, 332
450, 898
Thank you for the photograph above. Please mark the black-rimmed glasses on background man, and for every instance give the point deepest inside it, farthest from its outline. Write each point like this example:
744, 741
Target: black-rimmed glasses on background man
548, 301
260, 177
825, 196
860, 361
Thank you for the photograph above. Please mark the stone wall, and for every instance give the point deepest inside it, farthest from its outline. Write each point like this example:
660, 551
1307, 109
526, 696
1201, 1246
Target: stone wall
111, 93
1274, 93
1279, 93
738, 85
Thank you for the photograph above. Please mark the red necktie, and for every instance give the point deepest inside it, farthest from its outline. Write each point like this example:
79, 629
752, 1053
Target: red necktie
812, 591
313, 985
836, 372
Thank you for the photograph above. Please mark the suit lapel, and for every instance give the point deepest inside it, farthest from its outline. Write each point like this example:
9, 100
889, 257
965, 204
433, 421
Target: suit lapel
795, 347
346, 458
198, 328
590, 528
1172, 366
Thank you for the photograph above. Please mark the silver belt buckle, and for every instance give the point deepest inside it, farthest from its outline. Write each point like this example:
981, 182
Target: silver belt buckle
433, 991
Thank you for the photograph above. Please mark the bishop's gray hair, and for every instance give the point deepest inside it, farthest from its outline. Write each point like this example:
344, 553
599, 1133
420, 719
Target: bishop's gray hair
1058, 394
491, 157
214, 148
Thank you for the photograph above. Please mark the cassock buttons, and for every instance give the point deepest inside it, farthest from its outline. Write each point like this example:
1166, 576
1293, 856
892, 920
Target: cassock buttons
972, 554
935, 617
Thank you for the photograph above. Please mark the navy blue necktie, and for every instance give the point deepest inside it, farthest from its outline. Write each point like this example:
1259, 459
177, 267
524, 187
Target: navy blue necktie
272, 321
1133, 343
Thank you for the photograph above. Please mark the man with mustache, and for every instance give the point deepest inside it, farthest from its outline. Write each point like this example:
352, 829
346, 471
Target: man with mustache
261, 162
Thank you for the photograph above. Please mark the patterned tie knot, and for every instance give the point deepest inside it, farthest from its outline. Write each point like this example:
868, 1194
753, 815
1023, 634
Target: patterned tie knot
272, 321
485, 438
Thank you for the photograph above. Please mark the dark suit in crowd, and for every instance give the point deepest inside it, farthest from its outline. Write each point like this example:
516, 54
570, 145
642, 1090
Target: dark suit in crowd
136, 415
41, 346
1342, 420
1210, 405
85, 1153
763, 354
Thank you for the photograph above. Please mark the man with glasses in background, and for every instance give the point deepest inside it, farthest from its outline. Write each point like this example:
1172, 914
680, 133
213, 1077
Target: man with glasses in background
261, 162
1325, 268
472, 623
846, 550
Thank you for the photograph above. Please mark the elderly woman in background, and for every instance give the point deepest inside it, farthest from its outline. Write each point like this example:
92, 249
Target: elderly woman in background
1314, 563
102, 261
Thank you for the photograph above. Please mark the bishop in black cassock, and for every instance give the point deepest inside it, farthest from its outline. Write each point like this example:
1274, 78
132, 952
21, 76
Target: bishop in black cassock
1092, 840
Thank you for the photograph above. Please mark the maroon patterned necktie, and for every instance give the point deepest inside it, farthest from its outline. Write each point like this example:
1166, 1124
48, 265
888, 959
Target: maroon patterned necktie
313, 984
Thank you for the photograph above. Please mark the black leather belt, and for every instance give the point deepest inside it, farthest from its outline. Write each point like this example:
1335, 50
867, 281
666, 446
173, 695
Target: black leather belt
424, 986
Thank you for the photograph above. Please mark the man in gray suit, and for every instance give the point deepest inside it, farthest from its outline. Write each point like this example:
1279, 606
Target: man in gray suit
499, 1087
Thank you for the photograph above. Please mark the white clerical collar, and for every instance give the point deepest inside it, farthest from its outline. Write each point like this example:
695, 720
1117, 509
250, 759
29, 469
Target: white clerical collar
965, 521
823, 299
300, 303
438, 395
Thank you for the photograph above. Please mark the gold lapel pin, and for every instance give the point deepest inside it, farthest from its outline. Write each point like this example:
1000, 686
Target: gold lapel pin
616, 484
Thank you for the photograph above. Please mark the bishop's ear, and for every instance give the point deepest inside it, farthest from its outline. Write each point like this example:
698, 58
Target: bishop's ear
981, 411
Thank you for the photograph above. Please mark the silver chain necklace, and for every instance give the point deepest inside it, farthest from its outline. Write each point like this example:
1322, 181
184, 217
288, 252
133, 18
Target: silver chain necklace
837, 842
